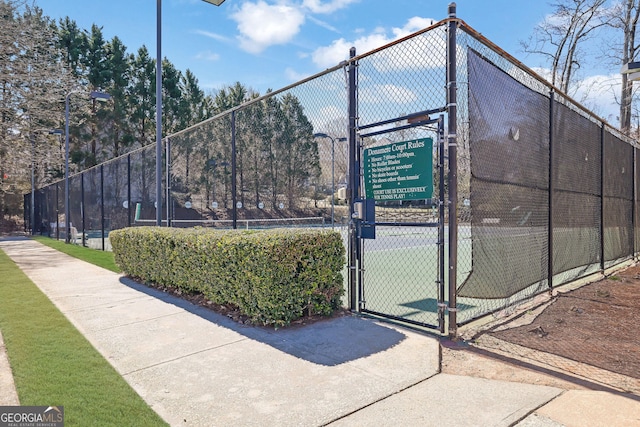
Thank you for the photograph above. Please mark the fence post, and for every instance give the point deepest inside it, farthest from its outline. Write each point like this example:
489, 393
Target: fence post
551, 187
129, 190
602, 171
441, 220
353, 180
57, 212
168, 181
82, 205
101, 204
452, 111
234, 198
635, 199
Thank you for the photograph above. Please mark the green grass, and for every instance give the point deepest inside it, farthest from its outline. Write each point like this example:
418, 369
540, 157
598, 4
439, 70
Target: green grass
102, 259
53, 364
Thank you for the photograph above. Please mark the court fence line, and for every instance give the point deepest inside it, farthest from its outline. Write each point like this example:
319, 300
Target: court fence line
531, 190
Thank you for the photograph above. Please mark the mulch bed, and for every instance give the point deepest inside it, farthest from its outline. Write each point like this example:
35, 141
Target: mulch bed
597, 324
233, 312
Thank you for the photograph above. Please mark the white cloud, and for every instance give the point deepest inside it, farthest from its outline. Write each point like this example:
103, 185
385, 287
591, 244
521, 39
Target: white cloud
328, 56
208, 56
294, 76
338, 50
318, 6
211, 35
413, 24
323, 24
262, 25
597, 93
545, 73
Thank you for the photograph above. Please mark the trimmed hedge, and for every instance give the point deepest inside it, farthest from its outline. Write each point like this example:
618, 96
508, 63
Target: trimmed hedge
271, 276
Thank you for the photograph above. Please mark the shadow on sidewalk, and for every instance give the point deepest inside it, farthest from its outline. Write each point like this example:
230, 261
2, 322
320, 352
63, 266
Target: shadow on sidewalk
329, 342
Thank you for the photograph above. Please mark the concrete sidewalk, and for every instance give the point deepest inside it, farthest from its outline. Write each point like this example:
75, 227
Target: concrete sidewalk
197, 368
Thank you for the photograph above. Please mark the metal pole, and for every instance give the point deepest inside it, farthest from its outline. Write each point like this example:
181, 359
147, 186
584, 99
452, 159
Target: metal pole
32, 211
129, 190
101, 204
159, 114
353, 182
551, 191
168, 180
66, 169
234, 209
57, 212
634, 208
82, 210
333, 181
452, 111
441, 218
602, 189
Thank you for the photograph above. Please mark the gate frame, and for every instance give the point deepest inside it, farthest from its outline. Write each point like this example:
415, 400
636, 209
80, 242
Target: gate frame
356, 241
355, 196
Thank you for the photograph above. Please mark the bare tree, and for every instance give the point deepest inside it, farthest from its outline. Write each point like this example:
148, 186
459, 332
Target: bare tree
33, 80
560, 36
623, 16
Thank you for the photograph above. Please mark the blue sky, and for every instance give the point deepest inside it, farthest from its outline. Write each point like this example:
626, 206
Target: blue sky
272, 43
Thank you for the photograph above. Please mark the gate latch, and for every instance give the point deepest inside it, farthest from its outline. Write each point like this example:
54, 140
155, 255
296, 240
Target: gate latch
364, 212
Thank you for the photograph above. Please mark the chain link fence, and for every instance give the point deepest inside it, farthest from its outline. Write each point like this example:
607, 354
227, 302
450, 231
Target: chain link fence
276, 161
546, 191
548, 186
401, 86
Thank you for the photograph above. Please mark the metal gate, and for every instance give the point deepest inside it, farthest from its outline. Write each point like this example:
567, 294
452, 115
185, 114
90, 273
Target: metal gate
398, 229
398, 234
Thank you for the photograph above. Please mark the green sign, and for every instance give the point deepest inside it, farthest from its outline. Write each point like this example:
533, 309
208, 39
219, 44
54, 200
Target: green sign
399, 171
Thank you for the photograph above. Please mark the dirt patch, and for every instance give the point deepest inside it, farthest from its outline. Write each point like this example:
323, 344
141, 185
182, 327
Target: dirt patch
581, 338
598, 324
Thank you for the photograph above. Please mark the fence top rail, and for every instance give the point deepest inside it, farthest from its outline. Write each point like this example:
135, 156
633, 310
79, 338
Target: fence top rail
249, 103
342, 64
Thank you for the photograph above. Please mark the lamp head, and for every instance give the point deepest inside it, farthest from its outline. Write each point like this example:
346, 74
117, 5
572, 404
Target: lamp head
214, 2
100, 96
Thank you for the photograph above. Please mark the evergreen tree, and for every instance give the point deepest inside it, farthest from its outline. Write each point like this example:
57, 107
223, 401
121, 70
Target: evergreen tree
96, 60
192, 110
301, 159
272, 140
119, 64
173, 108
73, 42
86, 149
142, 97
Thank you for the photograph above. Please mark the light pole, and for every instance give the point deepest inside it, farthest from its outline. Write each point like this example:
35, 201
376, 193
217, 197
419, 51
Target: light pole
99, 96
32, 207
159, 106
333, 162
